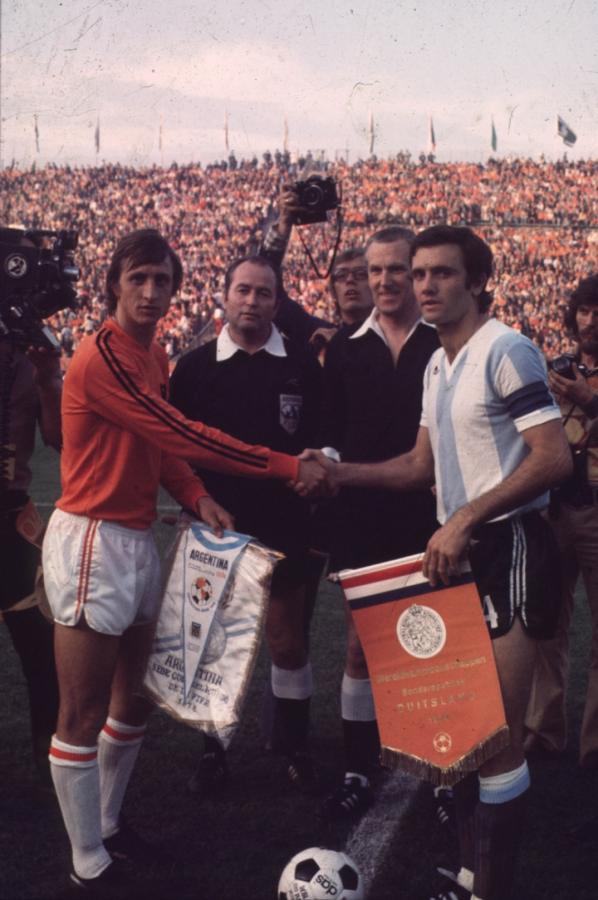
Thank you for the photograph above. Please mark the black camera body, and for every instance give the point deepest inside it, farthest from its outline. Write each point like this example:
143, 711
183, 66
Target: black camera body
563, 366
317, 196
35, 282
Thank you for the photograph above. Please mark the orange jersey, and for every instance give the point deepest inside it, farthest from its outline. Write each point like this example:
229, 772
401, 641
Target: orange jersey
121, 437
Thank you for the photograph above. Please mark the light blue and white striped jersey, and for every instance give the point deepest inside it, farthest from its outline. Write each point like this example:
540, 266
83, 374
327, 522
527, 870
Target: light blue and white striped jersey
476, 409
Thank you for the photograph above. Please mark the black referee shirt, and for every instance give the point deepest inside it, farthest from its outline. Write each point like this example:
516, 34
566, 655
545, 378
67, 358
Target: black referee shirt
261, 399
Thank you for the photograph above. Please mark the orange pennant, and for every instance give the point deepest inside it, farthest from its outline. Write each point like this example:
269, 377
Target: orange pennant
431, 664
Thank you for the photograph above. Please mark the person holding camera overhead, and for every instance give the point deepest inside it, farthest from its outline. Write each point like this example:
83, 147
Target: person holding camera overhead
574, 516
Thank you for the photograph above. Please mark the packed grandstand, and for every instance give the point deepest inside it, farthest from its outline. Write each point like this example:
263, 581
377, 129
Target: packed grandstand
541, 218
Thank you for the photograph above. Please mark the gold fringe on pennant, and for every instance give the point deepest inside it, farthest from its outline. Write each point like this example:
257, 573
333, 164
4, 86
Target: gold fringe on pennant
449, 776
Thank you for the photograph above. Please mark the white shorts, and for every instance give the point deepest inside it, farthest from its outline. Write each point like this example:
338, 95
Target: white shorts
105, 572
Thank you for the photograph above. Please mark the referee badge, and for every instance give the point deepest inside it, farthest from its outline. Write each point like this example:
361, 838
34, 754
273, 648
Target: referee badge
290, 411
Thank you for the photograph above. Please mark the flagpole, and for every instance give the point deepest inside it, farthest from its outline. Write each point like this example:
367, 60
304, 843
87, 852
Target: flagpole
372, 134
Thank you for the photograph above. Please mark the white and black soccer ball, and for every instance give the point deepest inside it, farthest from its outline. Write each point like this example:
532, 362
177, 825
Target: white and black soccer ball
320, 874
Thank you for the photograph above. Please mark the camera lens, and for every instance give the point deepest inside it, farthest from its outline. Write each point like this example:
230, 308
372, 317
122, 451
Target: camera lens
312, 195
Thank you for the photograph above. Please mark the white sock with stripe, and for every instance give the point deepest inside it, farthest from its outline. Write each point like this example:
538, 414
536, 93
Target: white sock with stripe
118, 749
76, 778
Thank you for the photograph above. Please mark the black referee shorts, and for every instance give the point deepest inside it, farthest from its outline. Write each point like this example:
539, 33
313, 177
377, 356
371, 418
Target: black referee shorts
516, 566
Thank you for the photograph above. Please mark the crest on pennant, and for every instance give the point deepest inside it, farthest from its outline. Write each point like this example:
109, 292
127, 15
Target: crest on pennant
290, 411
421, 631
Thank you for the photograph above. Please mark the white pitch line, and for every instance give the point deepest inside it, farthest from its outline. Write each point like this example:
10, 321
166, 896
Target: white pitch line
369, 840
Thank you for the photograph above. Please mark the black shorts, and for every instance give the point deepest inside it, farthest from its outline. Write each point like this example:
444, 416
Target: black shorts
516, 566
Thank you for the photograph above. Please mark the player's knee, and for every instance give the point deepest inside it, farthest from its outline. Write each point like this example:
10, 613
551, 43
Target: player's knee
81, 725
291, 655
355, 663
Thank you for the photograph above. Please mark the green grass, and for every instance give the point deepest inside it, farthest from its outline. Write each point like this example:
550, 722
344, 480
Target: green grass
234, 847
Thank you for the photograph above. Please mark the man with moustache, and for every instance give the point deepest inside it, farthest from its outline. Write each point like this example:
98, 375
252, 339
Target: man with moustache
373, 387
574, 518
491, 439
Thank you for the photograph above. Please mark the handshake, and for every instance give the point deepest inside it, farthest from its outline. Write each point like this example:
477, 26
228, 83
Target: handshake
318, 475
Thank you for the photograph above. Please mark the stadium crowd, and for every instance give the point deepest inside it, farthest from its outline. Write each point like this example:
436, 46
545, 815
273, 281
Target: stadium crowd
539, 217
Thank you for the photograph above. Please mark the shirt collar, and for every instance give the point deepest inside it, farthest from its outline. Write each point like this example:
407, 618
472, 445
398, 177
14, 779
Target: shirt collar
372, 324
227, 347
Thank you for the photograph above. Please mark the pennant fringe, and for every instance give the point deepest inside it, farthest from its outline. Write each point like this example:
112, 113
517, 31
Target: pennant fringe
447, 777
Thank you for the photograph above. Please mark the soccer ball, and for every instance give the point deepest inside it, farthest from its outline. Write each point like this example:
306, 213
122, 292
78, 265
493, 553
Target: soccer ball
320, 874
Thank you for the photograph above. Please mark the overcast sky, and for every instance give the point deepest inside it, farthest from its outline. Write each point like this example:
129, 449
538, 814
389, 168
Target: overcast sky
323, 66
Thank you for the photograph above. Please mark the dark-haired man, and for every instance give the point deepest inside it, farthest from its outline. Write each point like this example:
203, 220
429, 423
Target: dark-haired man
121, 439
373, 386
491, 439
262, 388
574, 518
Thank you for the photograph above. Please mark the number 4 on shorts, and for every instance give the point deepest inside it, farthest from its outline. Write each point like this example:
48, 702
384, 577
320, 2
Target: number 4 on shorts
490, 614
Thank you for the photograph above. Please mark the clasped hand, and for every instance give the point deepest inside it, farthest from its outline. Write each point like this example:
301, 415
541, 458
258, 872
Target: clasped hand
316, 476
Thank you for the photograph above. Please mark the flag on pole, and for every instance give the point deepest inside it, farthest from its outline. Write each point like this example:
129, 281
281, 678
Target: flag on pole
493, 138
97, 135
36, 130
226, 144
285, 136
432, 137
372, 134
565, 132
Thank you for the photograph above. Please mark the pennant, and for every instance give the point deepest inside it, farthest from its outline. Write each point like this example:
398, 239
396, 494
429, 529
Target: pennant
208, 564
232, 636
97, 136
493, 138
431, 664
565, 132
36, 130
432, 137
226, 144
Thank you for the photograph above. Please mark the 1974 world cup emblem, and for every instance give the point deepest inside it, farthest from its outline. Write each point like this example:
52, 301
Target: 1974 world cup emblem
421, 631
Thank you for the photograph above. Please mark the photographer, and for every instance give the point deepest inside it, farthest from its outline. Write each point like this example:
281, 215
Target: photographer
291, 319
574, 516
30, 391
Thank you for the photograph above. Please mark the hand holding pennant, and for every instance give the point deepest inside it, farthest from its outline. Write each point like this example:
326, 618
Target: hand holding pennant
436, 689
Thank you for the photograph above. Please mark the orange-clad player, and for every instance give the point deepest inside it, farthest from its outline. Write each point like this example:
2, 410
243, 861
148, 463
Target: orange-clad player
121, 439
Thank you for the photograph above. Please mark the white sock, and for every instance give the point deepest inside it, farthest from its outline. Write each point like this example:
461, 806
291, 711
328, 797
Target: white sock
465, 878
292, 684
505, 787
118, 749
357, 700
76, 778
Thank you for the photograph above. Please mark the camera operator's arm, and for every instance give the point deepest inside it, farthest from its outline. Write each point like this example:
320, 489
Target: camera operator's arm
294, 321
48, 379
577, 391
277, 236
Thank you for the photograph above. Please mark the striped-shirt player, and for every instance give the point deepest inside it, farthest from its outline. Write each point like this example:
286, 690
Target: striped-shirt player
491, 439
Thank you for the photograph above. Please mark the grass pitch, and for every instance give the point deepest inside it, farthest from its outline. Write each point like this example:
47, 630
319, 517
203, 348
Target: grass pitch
233, 847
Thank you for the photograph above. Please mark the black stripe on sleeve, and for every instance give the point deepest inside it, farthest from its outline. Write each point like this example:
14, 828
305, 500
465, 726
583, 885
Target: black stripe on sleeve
159, 412
528, 399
